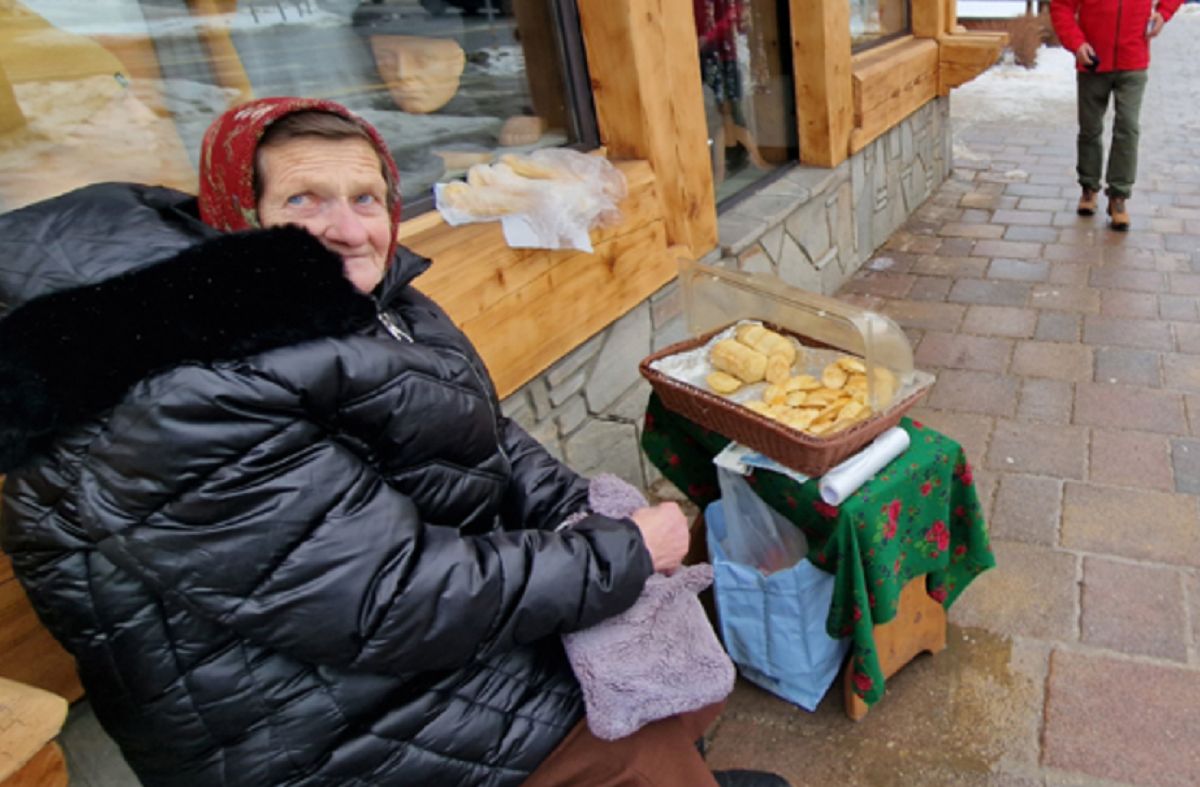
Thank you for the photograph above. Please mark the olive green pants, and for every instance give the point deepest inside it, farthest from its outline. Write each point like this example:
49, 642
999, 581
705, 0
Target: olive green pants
1093, 92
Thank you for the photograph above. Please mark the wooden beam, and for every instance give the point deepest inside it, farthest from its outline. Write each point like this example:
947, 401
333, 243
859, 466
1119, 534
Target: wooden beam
821, 65
964, 56
890, 83
645, 73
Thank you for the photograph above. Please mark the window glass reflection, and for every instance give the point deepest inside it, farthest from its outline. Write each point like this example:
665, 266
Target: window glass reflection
749, 101
872, 21
95, 90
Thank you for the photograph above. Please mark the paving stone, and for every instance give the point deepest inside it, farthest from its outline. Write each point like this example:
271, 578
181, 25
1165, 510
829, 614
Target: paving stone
1022, 233
990, 293
1122, 279
1122, 720
1084, 253
1031, 593
962, 351
958, 267
1192, 584
1038, 195
1009, 321
1030, 218
927, 315
1130, 367
955, 247
1184, 283
992, 687
1058, 327
1065, 298
978, 231
1038, 449
969, 430
1133, 609
1126, 304
1178, 307
1117, 332
1040, 201
1072, 274
1134, 523
1006, 248
1187, 338
1181, 372
930, 288
1048, 401
1136, 459
1129, 407
1018, 270
1192, 402
885, 285
1056, 360
974, 392
1185, 458
1027, 508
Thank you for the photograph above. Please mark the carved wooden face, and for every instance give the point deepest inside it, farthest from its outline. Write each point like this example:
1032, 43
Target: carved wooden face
421, 73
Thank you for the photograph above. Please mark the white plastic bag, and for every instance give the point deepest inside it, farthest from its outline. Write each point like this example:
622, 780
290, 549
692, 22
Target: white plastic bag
549, 199
757, 535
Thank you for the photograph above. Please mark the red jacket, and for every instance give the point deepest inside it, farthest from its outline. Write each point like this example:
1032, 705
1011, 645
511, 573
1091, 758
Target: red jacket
1116, 29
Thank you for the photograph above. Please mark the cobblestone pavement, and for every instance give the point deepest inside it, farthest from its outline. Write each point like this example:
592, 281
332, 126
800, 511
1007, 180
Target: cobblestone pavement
1068, 363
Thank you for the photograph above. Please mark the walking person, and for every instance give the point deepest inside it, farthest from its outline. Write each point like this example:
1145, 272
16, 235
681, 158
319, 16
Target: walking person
1111, 43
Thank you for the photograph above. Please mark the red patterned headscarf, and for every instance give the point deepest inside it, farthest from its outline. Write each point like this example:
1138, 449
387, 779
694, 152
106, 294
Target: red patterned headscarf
227, 199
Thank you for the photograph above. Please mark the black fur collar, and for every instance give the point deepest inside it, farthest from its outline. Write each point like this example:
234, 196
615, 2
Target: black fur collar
72, 354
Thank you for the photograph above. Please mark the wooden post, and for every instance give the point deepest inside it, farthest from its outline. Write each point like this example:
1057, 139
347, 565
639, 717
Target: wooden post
821, 62
645, 71
929, 18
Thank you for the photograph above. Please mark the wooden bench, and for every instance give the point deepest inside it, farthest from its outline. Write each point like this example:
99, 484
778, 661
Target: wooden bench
30, 719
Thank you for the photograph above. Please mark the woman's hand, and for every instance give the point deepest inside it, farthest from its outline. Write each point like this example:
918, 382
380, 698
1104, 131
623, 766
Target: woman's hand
1155, 26
665, 533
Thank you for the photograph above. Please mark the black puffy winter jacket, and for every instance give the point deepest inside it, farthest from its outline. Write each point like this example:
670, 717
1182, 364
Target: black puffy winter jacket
290, 540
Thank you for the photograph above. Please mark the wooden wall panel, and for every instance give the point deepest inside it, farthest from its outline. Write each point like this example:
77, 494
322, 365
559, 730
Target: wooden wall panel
890, 83
526, 308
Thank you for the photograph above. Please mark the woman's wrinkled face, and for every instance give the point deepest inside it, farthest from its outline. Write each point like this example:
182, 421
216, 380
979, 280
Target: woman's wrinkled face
335, 189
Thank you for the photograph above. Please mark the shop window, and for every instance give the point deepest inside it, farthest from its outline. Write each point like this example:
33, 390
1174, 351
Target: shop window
123, 89
749, 98
875, 21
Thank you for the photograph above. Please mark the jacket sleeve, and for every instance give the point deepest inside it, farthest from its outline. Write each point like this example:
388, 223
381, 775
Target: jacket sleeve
1066, 25
544, 491
1168, 8
258, 521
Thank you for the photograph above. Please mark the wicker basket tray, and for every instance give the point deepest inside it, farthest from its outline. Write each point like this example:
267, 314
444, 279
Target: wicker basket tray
809, 454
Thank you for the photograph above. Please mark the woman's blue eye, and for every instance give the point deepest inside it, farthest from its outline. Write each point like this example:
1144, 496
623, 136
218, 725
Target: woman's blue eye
365, 199
296, 199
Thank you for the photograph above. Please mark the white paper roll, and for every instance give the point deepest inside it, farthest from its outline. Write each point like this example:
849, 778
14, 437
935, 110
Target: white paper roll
845, 479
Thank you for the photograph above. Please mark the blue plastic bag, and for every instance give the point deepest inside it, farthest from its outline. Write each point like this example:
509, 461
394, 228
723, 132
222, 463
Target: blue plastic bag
773, 626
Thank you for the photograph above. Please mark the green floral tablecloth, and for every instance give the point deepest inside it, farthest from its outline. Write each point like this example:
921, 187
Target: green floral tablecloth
919, 515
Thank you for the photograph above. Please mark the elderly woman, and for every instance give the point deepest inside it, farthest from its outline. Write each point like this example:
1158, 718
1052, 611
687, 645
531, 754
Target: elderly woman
261, 488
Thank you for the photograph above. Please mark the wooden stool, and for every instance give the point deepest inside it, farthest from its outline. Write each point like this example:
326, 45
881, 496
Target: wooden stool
919, 625
30, 719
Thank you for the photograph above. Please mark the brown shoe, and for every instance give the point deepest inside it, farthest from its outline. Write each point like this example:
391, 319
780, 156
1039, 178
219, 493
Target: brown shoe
1087, 203
1118, 217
